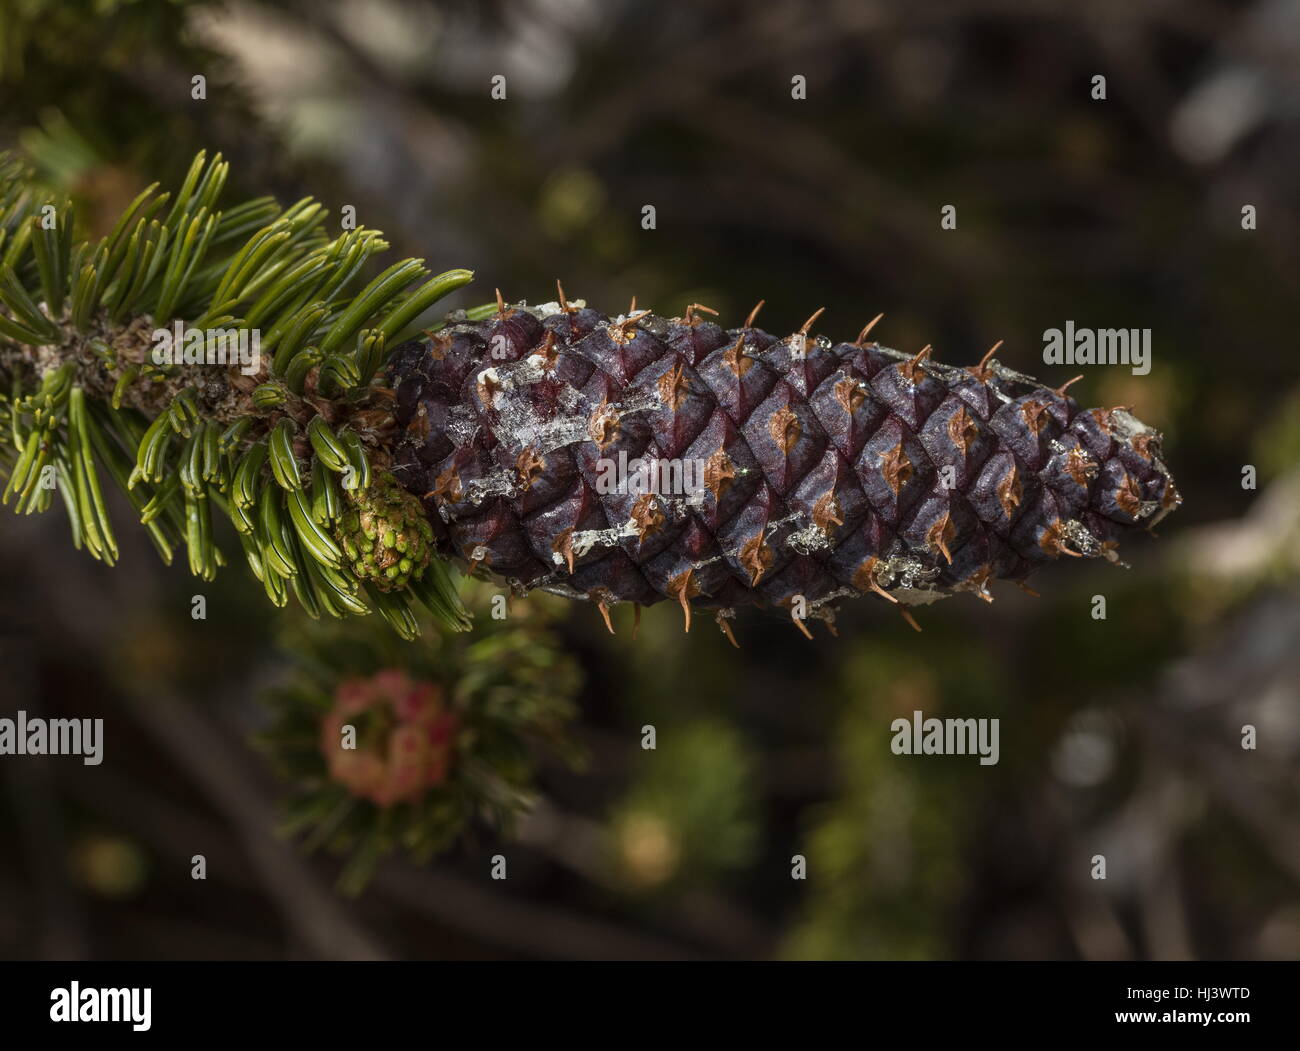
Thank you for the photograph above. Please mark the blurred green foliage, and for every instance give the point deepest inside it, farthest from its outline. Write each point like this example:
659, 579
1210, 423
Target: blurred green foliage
507, 688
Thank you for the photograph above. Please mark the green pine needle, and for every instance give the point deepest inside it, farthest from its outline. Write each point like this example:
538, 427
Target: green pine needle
89, 394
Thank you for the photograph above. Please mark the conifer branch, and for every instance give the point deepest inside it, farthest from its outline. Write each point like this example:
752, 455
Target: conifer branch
292, 448
834, 470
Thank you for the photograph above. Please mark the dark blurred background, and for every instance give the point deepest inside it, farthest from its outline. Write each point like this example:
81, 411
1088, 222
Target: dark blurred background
1119, 737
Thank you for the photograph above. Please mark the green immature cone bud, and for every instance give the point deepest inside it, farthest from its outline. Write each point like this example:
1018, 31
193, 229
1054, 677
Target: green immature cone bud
385, 534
